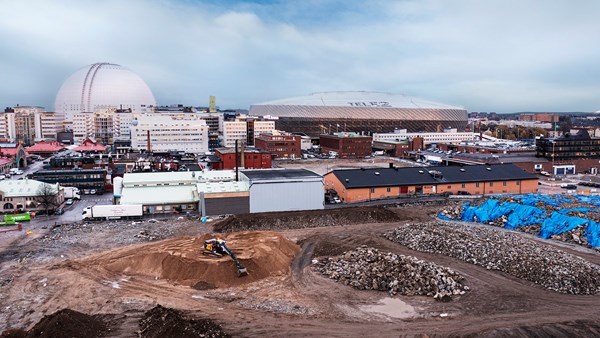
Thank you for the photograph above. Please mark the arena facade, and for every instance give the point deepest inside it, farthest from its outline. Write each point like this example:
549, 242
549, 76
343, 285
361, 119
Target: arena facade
360, 111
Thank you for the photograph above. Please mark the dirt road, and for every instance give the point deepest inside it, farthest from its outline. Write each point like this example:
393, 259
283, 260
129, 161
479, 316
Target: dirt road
35, 281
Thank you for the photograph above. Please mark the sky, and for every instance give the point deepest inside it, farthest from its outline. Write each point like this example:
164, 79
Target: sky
493, 55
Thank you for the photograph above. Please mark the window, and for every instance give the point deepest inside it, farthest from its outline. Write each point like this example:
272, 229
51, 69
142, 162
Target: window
389, 189
372, 190
518, 183
491, 184
504, 183
463, 185
477, 185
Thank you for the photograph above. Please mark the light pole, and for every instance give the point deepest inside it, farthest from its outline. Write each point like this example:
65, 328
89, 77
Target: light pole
553, 155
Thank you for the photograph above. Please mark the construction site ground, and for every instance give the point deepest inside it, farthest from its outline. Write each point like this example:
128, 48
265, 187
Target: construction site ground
119, 271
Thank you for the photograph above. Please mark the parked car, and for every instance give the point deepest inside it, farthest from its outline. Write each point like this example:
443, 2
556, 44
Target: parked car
2, 177
337, 200
463, 192
58, 211
69, 201
93, 192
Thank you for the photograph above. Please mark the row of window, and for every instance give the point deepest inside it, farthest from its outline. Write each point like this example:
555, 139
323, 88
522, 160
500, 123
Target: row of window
463, 185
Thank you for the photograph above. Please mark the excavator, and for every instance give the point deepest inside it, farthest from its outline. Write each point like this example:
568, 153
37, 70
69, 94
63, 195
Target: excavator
217, 248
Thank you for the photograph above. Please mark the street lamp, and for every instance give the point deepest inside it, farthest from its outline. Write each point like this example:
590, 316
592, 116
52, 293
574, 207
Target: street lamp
553, 155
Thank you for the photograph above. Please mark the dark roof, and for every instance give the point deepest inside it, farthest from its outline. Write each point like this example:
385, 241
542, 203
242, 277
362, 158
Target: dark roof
279, 174
581, 134
384, 177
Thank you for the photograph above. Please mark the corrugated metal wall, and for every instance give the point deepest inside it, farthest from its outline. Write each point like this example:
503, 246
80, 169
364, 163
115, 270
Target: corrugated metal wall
265, 197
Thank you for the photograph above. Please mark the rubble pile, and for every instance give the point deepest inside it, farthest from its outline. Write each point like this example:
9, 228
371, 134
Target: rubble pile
161, 322
369, 269
306, 219
63, 231
495, 249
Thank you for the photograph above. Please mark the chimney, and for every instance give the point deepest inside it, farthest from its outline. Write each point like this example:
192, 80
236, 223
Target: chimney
148, 142
236, 161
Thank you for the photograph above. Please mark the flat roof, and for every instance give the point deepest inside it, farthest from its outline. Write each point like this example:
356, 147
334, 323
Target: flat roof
385, 177
279, 174
189, 177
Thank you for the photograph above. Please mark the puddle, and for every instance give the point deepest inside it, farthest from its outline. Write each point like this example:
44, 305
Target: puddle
391, 307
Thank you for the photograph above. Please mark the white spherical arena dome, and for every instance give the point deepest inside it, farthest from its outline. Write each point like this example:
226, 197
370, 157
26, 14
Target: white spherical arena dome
103, 85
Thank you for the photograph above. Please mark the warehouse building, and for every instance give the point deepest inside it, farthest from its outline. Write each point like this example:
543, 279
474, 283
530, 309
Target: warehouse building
284, 190
356, 185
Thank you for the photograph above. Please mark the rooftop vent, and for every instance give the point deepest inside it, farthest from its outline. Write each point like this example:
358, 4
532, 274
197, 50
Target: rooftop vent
347, 180
488, 169
377, 173
421, 171
461, 169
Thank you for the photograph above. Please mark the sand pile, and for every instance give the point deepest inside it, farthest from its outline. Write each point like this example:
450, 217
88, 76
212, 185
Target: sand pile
180, 260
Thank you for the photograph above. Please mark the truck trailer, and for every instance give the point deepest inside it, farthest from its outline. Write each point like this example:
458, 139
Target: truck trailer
72, 192
97, 212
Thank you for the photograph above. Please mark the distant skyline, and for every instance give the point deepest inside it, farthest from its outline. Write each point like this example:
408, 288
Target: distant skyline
502, 56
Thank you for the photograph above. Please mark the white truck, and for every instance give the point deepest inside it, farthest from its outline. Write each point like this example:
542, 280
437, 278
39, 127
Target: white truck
113, 211
72, 192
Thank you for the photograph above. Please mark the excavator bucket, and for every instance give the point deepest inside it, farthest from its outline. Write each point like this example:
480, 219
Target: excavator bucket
242, 272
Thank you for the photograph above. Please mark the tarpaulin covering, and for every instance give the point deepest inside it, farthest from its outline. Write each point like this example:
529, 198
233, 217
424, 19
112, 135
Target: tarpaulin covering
526, 213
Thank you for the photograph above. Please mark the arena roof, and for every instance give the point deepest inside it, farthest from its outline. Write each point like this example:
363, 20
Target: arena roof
359, 99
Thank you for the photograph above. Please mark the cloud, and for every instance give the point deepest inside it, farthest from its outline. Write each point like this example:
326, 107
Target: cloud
484, 55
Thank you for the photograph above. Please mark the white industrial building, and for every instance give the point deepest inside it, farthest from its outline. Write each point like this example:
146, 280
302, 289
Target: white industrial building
169, 134
284, 190
218, 192
448, 136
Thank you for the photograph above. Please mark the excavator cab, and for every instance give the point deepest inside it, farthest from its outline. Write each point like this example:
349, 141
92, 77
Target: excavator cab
218, 248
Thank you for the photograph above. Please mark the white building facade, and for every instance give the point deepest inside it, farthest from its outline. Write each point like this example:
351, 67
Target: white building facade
169, 134
448, 136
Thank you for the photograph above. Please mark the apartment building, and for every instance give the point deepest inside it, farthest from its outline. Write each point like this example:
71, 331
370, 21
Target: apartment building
48, 125
245, 131
169, 134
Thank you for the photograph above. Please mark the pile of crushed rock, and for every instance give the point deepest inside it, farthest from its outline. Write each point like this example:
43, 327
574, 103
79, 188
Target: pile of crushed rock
495, 249
370, 269
306, 219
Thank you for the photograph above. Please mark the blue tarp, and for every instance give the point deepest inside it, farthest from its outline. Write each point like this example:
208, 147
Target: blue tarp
533, 199
525, 213
559, 223
518, 215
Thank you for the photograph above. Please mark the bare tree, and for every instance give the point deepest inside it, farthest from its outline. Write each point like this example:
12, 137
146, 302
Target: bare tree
47, 196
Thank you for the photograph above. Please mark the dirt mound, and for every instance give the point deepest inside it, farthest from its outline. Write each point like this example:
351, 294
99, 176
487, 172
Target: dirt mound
180, 260
64, 323
307, 219
161, 322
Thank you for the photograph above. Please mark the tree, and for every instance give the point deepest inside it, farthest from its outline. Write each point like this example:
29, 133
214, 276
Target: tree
47, 196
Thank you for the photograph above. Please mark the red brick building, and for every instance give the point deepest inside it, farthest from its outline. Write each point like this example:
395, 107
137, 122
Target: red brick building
401, 149
346, 144
540, 117
251, 159
282, 146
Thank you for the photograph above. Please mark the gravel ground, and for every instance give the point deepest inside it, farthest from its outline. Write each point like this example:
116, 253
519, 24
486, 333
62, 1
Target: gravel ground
495, 249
